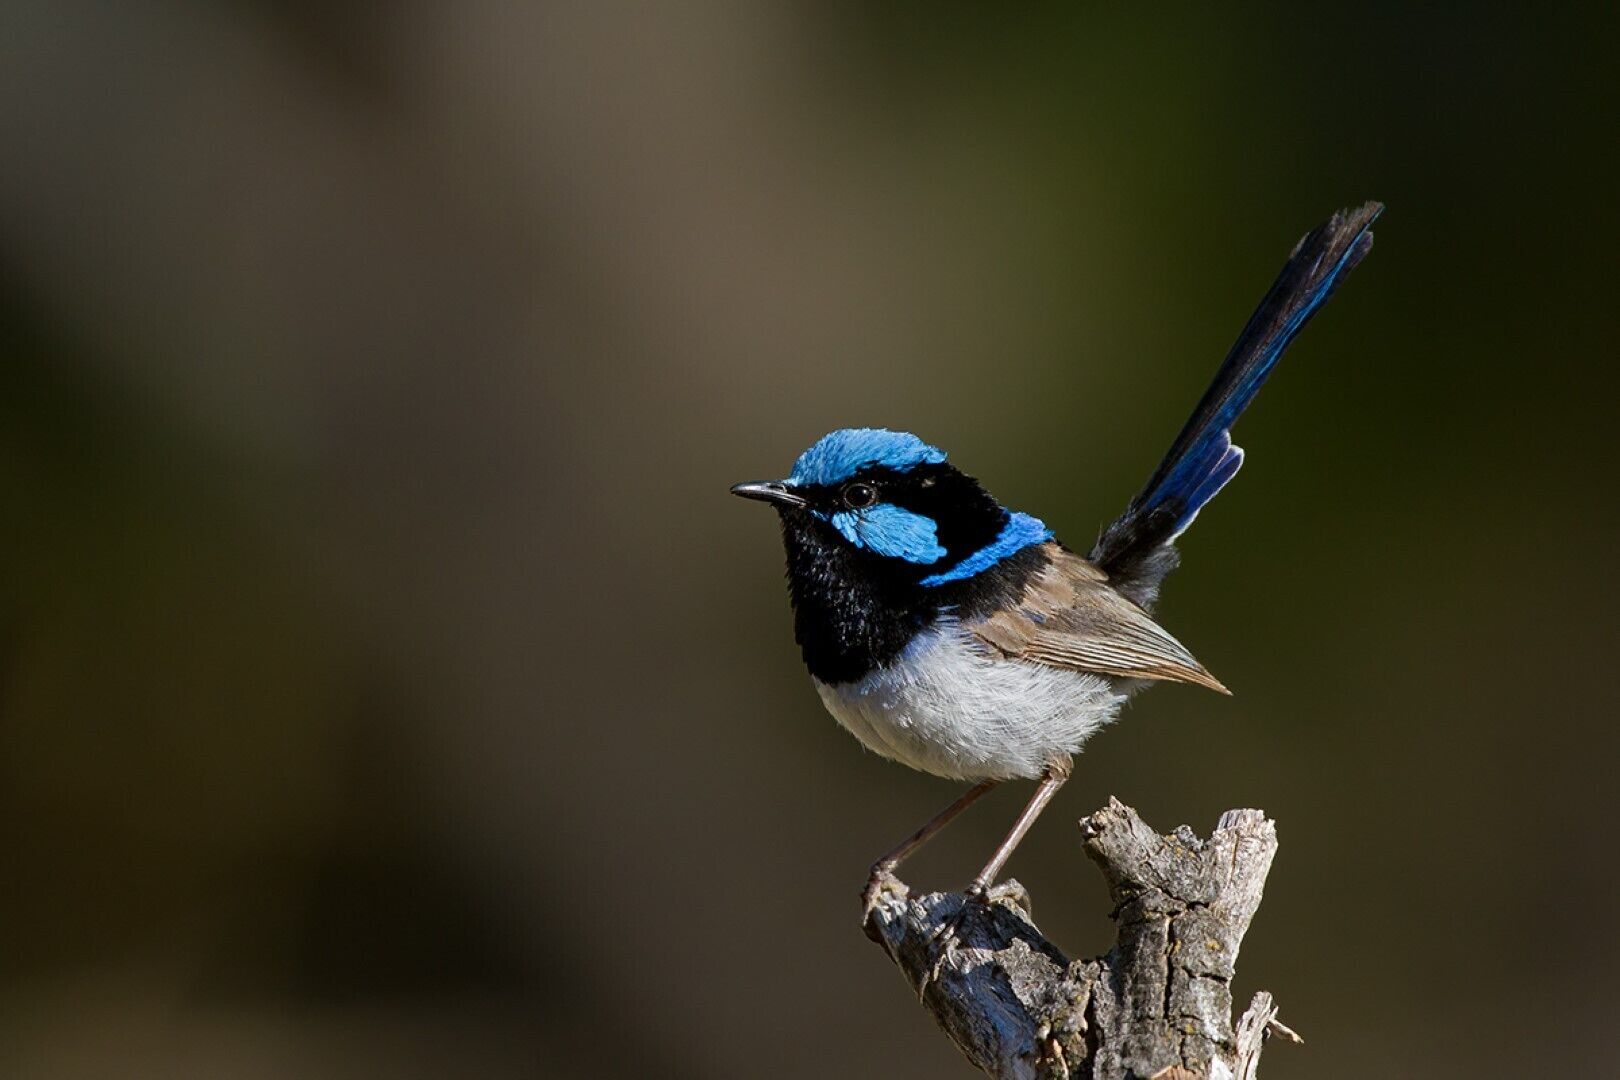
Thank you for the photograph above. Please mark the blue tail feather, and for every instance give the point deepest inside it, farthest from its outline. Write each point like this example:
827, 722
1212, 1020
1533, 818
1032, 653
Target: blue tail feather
1215, 478
1203, 459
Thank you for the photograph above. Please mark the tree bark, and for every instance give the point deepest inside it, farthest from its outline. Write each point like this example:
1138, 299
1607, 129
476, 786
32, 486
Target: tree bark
1159, 1002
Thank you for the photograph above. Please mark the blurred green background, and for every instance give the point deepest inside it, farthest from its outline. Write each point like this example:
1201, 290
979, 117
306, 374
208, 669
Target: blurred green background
388, 685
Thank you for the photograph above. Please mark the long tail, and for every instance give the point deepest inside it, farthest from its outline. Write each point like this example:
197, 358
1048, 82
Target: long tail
1136, 549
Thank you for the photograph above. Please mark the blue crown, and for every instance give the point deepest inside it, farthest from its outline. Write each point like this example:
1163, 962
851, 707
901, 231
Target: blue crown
841, 454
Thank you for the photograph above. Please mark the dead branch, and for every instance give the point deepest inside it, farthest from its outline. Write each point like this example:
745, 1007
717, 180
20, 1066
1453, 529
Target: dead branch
1159, 1002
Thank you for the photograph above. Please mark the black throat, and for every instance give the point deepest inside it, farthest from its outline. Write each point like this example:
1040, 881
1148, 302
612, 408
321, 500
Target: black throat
854, 612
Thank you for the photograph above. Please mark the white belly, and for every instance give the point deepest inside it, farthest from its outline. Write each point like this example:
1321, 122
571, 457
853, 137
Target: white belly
946, 706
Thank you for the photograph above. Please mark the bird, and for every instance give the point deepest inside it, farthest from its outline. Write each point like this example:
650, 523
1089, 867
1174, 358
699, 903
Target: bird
963, 639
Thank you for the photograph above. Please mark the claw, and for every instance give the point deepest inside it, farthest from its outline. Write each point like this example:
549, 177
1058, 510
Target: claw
945, 934
1012, 892
878, 883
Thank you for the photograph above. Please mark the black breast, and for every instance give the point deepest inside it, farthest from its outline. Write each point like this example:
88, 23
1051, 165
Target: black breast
854, 612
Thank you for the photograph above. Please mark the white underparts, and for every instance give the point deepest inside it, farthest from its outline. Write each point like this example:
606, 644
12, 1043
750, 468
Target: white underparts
951, 706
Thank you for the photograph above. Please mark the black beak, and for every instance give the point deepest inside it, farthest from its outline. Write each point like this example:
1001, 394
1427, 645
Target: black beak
771, 491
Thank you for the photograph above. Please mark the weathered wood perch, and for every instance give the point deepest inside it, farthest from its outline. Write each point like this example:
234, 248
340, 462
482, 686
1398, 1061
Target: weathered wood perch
1159, 1005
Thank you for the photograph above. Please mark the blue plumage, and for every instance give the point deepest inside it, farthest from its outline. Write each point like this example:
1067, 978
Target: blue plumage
841, 454
891, 531
1020, 532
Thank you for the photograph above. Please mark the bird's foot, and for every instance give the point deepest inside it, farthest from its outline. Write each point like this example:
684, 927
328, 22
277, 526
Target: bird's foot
945, 935
976, 901
881, 887
1013, 892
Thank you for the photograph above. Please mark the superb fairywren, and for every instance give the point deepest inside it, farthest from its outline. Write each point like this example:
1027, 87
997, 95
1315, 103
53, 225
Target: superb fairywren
963, 639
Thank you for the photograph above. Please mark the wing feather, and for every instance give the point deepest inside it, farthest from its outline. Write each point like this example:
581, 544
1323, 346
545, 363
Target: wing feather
1070, 617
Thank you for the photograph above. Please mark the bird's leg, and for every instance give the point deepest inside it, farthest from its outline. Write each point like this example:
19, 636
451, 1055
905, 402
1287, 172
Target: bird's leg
1053, 778
903, 850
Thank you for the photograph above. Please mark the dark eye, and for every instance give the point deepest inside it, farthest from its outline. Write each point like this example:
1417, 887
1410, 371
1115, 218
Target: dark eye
859, 496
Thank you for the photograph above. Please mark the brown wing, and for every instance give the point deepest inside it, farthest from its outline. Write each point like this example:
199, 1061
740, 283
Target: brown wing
1070, 617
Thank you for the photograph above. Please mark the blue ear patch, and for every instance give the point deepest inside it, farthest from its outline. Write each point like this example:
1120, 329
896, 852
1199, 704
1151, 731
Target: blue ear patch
892, 532
841, 454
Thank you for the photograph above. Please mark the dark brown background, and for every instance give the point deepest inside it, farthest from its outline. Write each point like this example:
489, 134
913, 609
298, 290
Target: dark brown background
389, 686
